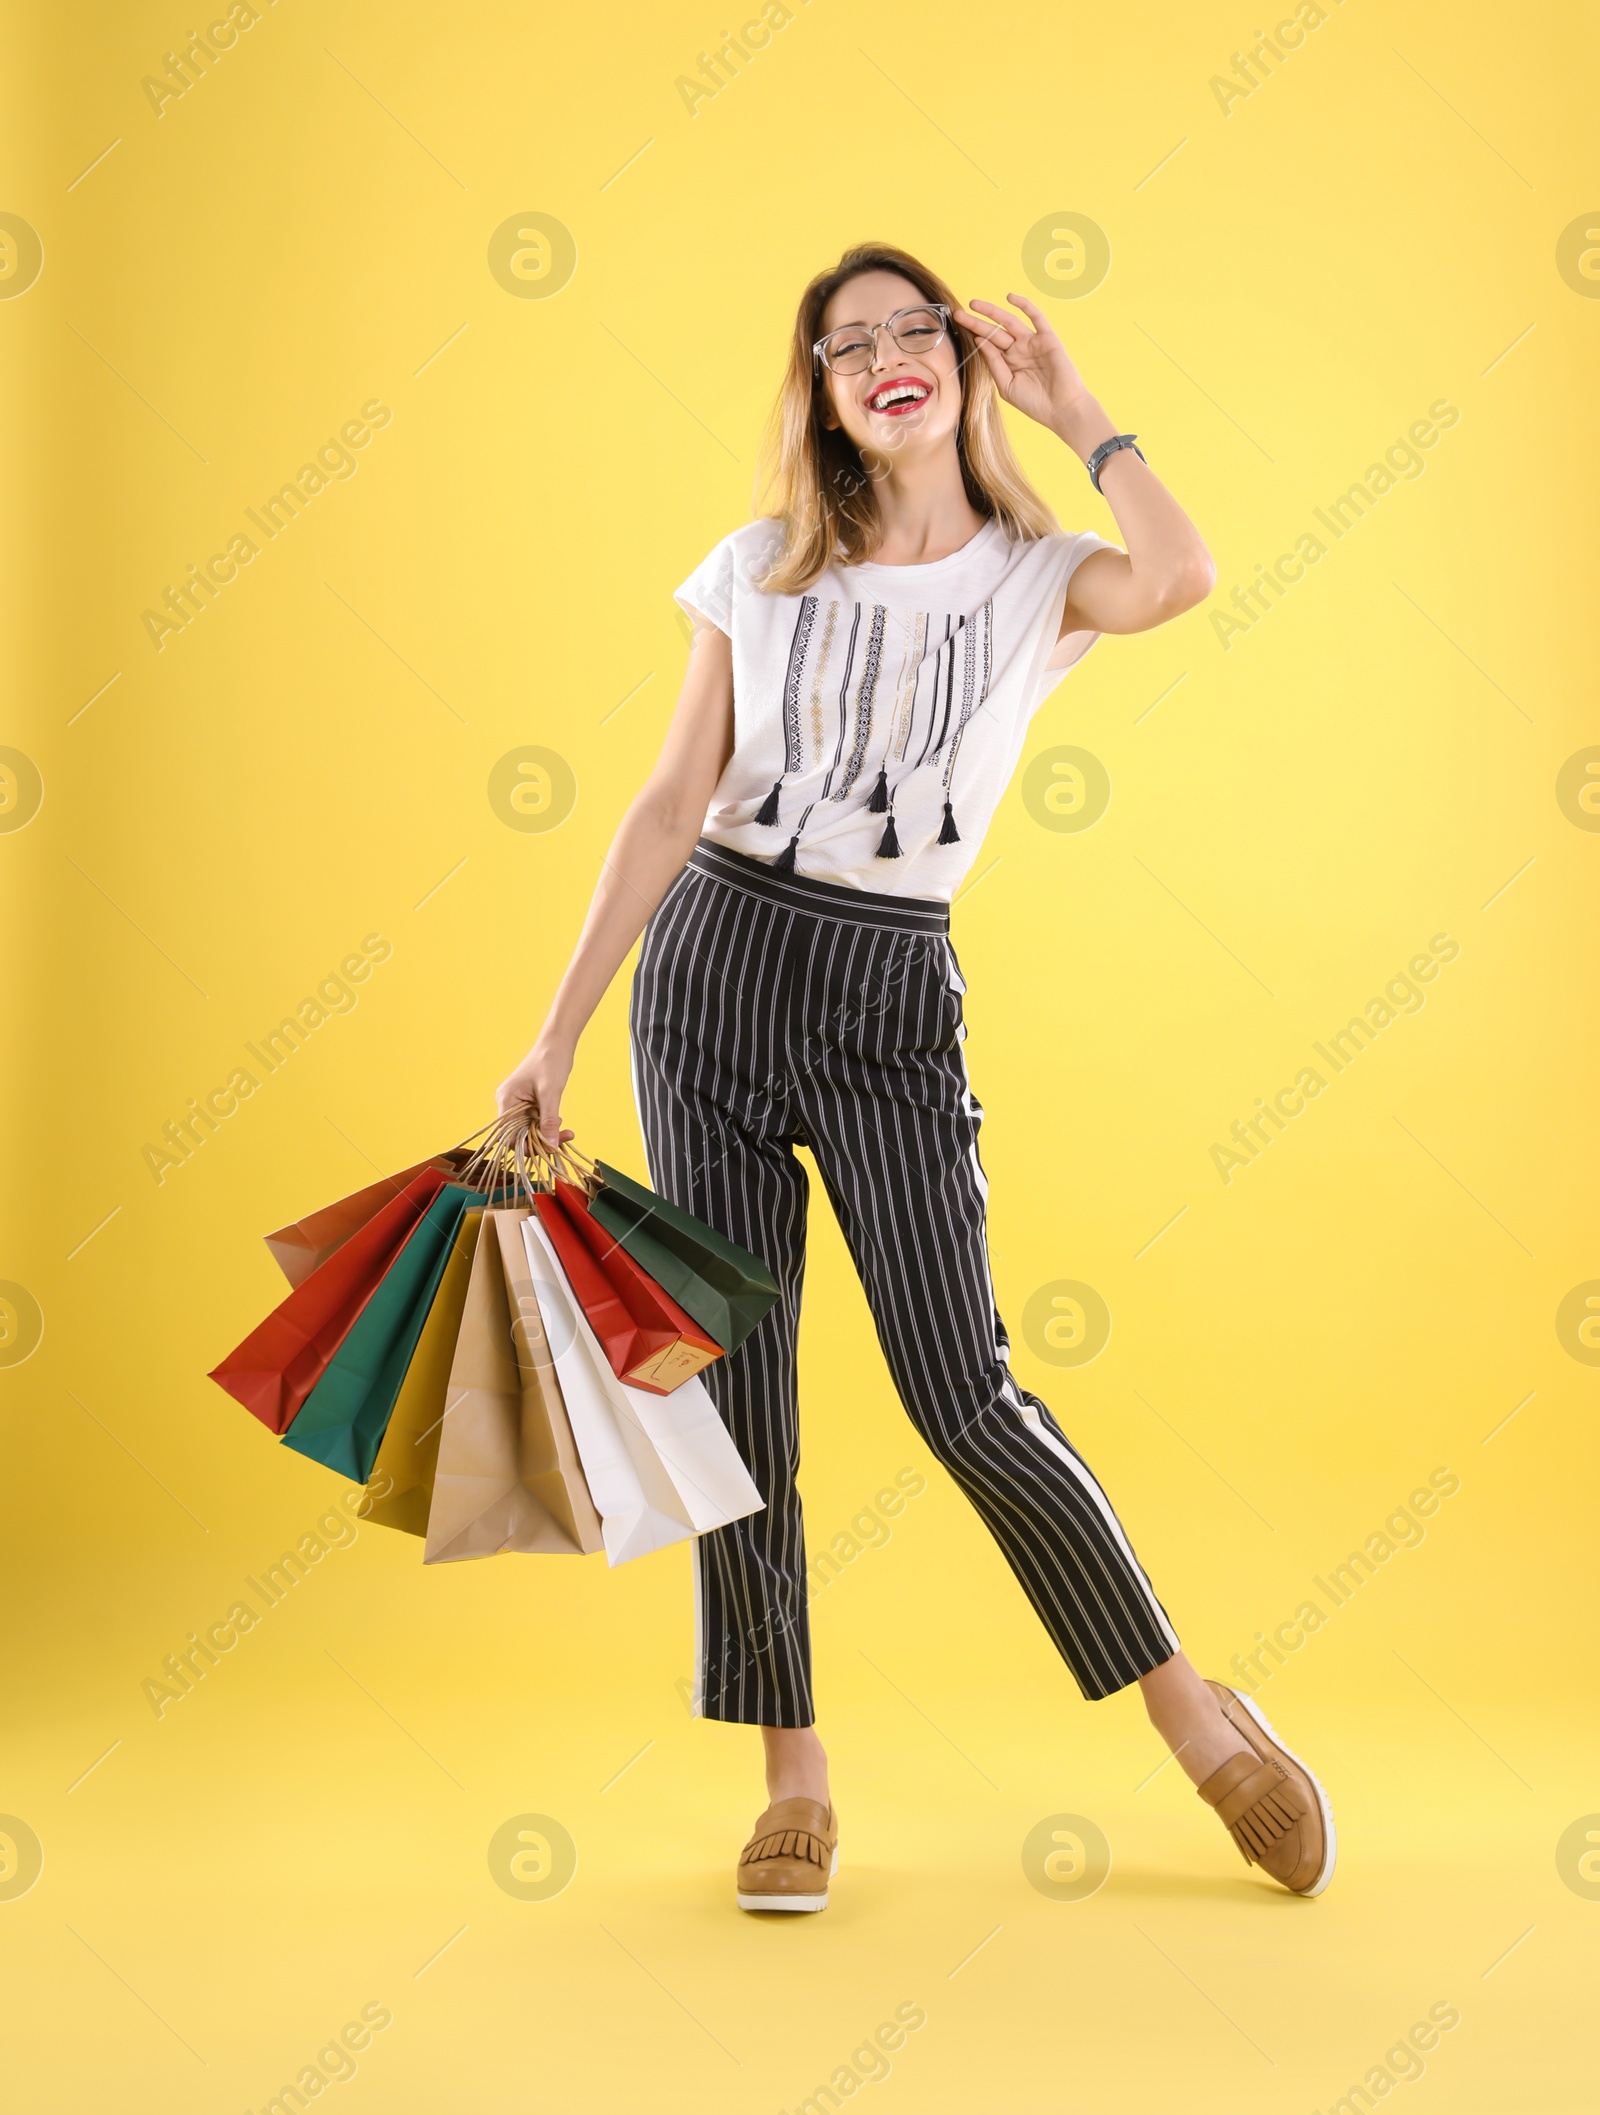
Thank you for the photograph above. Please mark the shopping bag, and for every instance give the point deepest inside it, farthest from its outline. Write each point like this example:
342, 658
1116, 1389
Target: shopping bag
724, 1287
342, 1422
281, 1361
299, 1249
498, 1457
688, 1438
645, 1334
638, 1505
693, 1445
401, 1484
561, 1484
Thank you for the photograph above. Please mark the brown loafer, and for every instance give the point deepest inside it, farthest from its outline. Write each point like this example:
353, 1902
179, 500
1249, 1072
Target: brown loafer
792, 1856
1271, 1805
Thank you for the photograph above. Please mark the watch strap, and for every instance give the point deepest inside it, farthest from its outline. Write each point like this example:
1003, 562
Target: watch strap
1109, 448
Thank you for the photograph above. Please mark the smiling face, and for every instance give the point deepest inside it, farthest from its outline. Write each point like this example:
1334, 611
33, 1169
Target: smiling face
909, 399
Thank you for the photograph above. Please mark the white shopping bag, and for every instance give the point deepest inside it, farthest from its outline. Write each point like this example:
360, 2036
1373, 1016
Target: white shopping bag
692, 1443
638, 1504
685, 1433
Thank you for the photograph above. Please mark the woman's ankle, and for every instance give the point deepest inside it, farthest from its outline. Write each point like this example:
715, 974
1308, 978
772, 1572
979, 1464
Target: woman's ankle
797, 1764
1208, 1748
1185, 1712
798, 1787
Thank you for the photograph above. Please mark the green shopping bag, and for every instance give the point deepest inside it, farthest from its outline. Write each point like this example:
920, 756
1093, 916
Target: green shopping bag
343, 1419
724, 1287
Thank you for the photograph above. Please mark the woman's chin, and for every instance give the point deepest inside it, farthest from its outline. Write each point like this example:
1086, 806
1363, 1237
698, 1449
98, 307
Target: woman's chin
897, 440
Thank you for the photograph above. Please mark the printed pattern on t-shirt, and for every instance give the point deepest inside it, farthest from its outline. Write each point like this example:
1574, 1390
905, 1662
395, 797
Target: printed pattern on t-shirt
879, 713
842, 699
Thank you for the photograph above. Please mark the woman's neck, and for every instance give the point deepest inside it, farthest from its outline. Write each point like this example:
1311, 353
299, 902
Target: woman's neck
924, 511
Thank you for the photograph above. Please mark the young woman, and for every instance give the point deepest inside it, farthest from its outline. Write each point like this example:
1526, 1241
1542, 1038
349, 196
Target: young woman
866, 659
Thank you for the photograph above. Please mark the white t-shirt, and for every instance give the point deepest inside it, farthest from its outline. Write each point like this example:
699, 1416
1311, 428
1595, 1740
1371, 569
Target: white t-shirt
879, 716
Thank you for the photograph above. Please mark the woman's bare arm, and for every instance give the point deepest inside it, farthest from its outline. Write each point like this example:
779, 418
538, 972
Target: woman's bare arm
655, 838
1166, 568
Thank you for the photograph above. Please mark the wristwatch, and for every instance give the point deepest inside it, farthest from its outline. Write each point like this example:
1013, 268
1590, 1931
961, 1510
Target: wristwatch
1109, 448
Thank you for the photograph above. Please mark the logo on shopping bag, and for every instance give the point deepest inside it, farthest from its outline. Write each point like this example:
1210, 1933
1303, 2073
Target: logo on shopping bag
1066, 1323
532, 1857
1067, 1857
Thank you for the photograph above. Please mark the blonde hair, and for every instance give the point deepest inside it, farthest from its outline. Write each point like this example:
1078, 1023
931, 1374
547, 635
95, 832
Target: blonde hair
812, 478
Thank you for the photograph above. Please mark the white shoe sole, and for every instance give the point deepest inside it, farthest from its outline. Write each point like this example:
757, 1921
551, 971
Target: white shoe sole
1330, 1850
791, 1902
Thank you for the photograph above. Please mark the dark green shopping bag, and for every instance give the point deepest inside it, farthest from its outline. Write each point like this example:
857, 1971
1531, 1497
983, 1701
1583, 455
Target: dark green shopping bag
343, 1419
724, 1287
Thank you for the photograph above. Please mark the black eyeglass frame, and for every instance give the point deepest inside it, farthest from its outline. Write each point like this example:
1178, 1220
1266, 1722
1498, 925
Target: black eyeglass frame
941, 309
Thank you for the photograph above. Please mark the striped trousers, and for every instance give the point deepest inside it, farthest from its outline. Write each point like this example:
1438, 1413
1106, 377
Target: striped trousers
770, 1011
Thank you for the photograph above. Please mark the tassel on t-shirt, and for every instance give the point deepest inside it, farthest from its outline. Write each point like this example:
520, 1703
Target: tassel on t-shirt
878, 803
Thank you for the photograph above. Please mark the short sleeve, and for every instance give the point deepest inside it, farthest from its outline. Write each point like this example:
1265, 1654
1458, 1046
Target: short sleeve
1076, 644
708, 591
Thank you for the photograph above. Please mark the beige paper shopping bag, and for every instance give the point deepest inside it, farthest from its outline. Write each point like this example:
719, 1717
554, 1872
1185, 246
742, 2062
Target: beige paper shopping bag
551, 1468
497, 1453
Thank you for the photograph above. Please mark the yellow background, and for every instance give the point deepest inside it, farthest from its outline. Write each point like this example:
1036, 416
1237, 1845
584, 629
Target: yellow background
307, 763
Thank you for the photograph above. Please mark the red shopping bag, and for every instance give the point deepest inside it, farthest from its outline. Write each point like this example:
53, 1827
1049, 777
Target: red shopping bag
648, 1339
303, 1247
280, 1362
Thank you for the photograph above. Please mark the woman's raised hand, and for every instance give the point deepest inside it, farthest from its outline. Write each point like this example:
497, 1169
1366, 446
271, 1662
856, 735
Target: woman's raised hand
1032, 369
539, 1082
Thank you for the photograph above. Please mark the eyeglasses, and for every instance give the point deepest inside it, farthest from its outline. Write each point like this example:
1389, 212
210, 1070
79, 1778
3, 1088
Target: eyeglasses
852, 348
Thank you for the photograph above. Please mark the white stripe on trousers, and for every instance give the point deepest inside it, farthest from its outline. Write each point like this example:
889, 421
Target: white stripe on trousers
770, 1011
